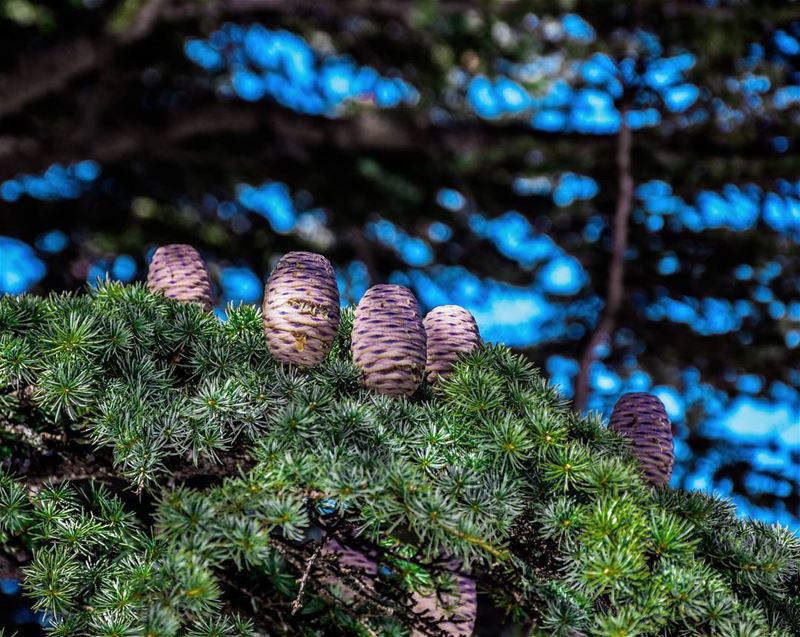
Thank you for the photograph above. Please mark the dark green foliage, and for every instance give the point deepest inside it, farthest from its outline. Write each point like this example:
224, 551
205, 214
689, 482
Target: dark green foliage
235, 470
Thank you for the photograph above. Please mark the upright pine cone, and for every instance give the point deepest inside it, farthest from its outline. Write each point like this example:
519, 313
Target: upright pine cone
641, 417
451, 330
389, 340
301, 309
178, 271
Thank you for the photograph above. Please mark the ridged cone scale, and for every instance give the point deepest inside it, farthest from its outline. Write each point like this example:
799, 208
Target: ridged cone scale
301, 309
642, 418
178, 271
451, 331
388, 341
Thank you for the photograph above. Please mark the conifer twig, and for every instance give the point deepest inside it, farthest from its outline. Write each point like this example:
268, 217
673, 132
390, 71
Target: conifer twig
296, 604
500, 554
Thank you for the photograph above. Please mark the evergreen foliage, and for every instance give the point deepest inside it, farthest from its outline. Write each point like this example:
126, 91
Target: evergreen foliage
129, 124
197, 479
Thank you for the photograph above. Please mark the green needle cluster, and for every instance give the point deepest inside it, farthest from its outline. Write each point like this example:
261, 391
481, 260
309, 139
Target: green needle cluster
170, 478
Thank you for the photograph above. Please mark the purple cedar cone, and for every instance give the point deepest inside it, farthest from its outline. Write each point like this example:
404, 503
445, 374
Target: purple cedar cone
388, 342
301, 309
641, 417
453, 613
178, 271
451, 330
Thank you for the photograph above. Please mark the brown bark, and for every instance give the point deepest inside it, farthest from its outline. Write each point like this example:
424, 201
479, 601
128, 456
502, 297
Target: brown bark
616, 270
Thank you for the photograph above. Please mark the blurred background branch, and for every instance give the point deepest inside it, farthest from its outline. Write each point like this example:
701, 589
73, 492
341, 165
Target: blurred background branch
615, 288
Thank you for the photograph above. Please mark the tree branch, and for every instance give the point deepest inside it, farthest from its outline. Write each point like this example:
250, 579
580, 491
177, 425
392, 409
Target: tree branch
132, 28
366, 131
396, 9
40, 74
37, 76
297, 604
616, 269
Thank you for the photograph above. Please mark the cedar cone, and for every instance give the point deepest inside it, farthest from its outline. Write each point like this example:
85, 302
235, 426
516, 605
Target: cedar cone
301, 309
453, 614
388, 341
641, 417
451, 330
178, 271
